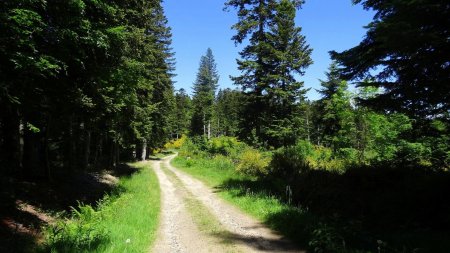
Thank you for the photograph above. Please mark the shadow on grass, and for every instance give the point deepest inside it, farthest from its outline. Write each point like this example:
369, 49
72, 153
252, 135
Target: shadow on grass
20, 229
396, 209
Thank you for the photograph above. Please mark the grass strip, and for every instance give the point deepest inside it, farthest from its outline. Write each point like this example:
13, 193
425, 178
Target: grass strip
262, 205
126, 221
203, 218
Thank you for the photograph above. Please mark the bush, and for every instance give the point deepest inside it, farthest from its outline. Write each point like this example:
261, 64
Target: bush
192, 148
222, 162
227, 146
253, 163
176, 144
294, 160
289, 161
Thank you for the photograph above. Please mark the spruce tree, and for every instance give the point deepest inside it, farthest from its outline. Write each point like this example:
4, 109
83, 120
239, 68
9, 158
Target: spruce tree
334, 107
204, 88
276, 52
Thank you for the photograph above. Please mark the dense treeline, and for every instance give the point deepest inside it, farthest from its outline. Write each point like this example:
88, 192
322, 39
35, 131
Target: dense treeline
385, 119
83, 83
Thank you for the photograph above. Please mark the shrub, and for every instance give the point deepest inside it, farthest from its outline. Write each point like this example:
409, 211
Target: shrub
253, 163
192, 149
176, 144
292, 160
222, 162
325, 238
224, 145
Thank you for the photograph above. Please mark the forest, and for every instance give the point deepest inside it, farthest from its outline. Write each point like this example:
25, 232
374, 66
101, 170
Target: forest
86, 86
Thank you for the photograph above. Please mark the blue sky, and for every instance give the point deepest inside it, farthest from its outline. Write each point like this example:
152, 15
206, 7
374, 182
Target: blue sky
199, 24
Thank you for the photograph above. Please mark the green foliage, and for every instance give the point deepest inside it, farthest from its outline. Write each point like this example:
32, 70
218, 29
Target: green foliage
253, 163
180, 119
193, 147
408, 38
227, 146
275, 55
227, 109
84, 231
414, 153
84, 72
321, 217
125, 221
204, 93
290, 161
176, 144
325, 238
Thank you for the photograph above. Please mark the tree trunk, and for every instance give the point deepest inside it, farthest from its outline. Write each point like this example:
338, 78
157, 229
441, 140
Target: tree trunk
204, 125
87, 149
143, 154
35, 156
117, 155
10, 148
69, 150
98, 150
209, 129
307, 128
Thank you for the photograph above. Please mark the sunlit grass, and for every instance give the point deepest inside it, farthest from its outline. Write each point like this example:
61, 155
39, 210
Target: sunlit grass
261, 205
124, 222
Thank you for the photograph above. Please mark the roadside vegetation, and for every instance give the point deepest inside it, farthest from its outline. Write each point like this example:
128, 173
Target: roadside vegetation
351, 208
125, 220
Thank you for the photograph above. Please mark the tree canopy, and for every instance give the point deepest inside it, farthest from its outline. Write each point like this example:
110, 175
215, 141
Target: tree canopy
405, 52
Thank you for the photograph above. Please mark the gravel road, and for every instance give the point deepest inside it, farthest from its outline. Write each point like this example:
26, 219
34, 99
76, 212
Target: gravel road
179, 232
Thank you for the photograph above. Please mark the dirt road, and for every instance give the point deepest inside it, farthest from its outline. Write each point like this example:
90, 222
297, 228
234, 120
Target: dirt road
195, 219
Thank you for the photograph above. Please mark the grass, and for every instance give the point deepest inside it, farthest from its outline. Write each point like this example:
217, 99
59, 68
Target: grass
125, 221
260, 204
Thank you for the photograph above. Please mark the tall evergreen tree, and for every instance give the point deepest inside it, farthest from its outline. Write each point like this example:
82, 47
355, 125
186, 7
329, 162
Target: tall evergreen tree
334, 107
276, 52
204, 92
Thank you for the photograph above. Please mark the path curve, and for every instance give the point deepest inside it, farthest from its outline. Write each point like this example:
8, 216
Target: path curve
246, 233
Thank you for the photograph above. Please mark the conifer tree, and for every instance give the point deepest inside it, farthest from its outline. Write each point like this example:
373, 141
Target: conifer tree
204, 88
276, 52
334, 107
408, 42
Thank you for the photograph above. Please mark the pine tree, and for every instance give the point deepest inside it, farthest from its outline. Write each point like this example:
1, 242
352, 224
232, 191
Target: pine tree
204, 92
